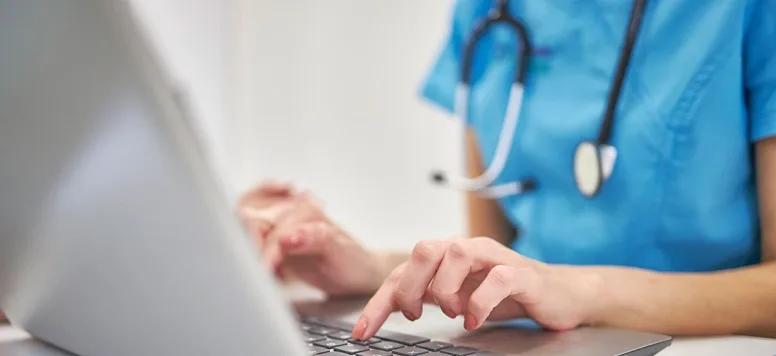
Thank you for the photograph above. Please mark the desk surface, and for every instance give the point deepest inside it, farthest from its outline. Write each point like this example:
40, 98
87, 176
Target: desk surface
433, 324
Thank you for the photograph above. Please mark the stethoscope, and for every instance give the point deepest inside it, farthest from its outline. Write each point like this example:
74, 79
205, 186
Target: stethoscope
593, 159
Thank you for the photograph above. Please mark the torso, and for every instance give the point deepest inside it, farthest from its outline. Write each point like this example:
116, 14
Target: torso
681, 196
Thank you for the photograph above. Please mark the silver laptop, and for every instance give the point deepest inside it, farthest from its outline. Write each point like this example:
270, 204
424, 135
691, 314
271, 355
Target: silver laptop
114, 237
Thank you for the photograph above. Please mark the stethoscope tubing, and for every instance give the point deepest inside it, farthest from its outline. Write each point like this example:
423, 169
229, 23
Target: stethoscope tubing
483, 184
634, 24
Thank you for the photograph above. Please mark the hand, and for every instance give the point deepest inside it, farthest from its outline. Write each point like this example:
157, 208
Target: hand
482, 280
297, 238
2, 318
261, 207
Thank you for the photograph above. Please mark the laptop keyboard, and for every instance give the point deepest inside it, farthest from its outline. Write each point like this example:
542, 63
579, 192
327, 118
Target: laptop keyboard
327, 337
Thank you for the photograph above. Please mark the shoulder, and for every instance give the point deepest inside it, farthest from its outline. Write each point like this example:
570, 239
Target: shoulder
442, 78
466, 13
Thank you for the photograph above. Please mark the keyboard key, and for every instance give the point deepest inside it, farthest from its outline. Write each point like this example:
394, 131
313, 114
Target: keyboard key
337, 324
377, 353
436, 354
335, 353
314, 350
329, 343
459, 351
329, 323
320, 330
405, 339
351, 349
305, 327
434, 345
364, 342
310, 338
410, 351
339, 335
386, 346
311, 319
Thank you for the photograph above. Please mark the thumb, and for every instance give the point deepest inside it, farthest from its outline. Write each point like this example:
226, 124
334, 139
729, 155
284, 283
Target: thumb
269, 188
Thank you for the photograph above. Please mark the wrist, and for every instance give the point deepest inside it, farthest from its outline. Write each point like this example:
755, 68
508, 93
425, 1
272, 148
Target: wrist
387, 261
379, 265
587, 290
596, 296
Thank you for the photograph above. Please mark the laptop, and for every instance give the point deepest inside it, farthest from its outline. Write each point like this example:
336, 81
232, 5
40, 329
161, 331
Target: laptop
115, 238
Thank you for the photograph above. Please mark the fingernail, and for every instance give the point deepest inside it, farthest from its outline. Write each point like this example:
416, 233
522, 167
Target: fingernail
359, 329
470, 322
456, 308
449, 313
409, 316
293, 242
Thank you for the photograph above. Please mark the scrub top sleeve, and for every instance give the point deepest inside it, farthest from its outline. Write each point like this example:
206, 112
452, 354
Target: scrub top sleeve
760, 69
442, 80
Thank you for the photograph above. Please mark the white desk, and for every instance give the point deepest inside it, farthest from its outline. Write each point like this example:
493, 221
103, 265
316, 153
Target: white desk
14, 342
434, 324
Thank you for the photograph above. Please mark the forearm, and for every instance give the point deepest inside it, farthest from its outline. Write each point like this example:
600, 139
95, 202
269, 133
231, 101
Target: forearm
740, 301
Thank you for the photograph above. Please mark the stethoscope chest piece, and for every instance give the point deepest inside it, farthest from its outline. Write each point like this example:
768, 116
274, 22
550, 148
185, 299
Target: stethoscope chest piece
593, 164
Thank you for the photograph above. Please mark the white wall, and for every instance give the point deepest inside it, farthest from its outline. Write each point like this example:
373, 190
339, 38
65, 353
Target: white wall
193, 38
323, 93
328, 98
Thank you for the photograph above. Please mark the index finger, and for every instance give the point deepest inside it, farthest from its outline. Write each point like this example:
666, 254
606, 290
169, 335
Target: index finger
260, 207
287, 224
379, 307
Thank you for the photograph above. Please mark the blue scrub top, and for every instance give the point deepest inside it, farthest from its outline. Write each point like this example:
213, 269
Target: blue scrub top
701, 89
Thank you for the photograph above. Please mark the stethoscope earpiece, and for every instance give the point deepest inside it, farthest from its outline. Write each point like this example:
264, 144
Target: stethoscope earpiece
490, 191
438, 177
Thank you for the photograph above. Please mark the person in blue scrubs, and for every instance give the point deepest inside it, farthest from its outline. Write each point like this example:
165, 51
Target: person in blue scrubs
681, 239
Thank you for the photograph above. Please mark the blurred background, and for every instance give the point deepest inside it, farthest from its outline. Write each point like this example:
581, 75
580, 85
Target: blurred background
324, 94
